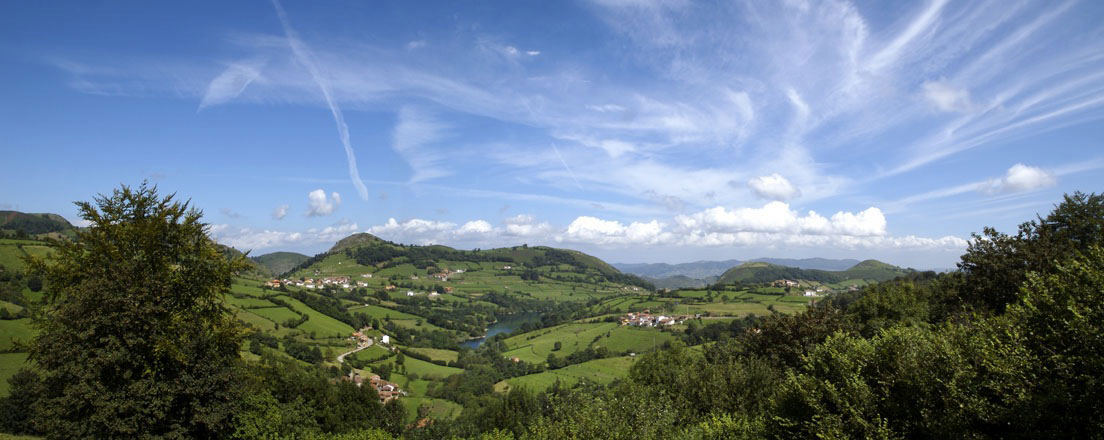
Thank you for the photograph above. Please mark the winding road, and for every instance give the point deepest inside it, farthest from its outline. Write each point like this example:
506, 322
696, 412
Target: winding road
341, 357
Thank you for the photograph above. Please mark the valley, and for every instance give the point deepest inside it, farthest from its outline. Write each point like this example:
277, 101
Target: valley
423, 317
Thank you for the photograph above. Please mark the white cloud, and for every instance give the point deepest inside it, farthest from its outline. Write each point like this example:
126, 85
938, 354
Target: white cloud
414, 230
774, 224
248, 238
475, 227
280, 212
319, 205
774, 187
532, 53
606, 108
523, 225
591, 230
777, 217
231, 82
416, 44
415, 131
1019, 178
510, 50
946, 97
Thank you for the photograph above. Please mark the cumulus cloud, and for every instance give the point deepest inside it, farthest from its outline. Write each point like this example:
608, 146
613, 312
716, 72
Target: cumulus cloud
280, 212
523, 225
475, 227
946, 97
1019, 178
593, 230
777, 217
319, 205
414, 230
248, 238
773, 187
774, 224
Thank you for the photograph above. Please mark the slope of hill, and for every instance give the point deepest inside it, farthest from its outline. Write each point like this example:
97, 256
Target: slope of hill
33, 224
531, 262
681, 282
698, 269
702, 270
811, 263
761, 272
280, 262
255, 268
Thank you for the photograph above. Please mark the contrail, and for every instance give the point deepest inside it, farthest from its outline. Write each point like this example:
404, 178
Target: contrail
569, 171
303, 56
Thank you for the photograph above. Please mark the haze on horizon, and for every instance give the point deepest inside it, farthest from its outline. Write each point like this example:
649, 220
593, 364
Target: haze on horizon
637, 131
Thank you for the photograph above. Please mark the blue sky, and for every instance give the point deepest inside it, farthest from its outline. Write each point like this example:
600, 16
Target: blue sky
639, 131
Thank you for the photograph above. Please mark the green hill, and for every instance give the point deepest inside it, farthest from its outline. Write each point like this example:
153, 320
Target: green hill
255, 268
33, 224
762, 272
280, 262
528, 262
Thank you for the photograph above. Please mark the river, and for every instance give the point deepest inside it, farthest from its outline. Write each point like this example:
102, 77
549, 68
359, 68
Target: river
505, 324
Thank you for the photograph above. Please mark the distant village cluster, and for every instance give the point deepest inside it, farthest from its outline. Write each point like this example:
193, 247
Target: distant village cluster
312, 283
646, 319
810, 292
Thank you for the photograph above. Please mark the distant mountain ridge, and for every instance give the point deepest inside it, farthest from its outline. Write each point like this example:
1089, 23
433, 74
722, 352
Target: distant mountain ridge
704, 269
763, 272
696, 270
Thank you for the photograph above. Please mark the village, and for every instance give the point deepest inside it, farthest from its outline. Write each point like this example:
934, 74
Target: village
646, 319
387, 390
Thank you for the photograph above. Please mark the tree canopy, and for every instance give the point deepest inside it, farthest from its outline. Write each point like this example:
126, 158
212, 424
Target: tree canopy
135, 340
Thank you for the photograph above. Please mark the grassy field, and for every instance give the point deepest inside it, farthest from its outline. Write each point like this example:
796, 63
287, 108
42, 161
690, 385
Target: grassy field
247, 302
424, 369
319, 323
11, 255
12, 330
381, 313
277, 315
436, 353
439, 408
371, 353
602, 371
11, 308
536, 346
10, 363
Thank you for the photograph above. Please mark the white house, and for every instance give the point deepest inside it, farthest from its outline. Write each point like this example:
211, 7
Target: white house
409, 293
810, 293
385, 339
367, 275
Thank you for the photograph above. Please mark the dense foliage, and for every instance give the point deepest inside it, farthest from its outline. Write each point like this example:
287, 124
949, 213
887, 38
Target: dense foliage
134, 338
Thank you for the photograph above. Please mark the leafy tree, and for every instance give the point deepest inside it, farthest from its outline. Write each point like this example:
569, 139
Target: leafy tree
1061, 315
16, 410
996, 264
134, 338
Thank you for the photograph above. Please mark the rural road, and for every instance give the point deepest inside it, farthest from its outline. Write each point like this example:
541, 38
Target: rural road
341, 357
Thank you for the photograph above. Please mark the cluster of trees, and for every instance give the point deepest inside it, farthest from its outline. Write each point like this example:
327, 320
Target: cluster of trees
1009, 346
135, 341
421, 256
